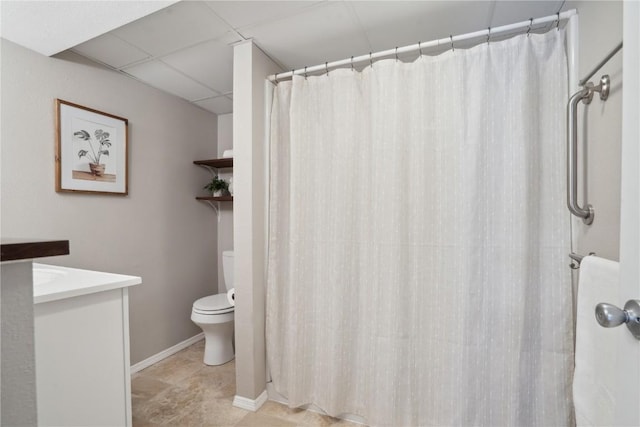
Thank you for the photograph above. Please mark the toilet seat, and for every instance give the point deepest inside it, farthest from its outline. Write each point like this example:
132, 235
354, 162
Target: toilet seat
213, 304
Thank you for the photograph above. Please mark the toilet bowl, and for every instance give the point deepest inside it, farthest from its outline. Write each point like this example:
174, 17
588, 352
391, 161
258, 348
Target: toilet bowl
214, 315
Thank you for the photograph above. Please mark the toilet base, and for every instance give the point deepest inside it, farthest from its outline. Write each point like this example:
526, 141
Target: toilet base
218, 337
218, 348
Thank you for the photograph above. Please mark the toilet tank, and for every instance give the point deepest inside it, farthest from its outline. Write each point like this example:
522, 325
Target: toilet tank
227, 269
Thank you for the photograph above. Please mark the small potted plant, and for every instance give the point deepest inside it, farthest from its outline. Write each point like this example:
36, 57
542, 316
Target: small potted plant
217, 187
102, 138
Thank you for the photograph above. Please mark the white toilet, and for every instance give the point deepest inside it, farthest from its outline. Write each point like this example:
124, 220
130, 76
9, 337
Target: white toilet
214, 315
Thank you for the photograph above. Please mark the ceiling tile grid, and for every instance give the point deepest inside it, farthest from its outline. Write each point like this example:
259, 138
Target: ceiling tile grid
210, 63
186, 49
50, 27
181, 25
112, 51
161, 76
218, 104
413, 21
242, 14
326, 31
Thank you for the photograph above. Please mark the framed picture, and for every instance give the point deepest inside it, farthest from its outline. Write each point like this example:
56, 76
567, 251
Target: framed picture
91, 150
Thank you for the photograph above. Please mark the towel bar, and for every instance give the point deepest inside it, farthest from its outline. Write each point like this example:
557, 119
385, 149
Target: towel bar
578, 259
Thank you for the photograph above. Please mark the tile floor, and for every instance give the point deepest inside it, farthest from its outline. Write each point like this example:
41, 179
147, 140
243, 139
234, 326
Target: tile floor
182, 391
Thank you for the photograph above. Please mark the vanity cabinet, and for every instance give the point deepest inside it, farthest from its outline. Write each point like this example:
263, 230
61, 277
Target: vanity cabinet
82, 347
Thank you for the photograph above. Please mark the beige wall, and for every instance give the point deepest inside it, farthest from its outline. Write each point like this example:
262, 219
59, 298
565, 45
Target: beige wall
225, 226
600, 128
251, 67
18, 366
158, 232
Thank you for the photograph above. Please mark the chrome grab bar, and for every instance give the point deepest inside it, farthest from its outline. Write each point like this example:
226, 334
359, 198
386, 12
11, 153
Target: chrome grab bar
585, 213
585, 95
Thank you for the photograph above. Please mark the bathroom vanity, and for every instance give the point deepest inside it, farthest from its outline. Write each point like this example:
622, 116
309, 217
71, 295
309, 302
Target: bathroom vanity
82, 346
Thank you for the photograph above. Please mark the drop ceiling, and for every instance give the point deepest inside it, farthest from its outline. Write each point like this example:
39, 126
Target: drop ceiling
186, 48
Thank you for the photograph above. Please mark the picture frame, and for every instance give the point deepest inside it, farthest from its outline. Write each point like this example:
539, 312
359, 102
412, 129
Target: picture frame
91, 150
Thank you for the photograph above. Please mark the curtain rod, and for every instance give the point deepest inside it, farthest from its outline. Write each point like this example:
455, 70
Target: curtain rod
419, 46
600, 64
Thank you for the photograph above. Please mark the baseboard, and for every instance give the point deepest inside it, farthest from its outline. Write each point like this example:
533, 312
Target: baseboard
166, 353
250, 404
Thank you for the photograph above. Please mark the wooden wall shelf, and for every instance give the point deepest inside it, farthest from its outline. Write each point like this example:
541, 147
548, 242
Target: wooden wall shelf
213, 165
215, 199
216, 163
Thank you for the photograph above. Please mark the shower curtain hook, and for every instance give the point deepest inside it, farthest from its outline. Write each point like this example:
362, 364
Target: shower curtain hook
396, 53
370, 60
530, 24
452, 48
558, 22
420, 48
305, 72
326, 68
352, 69
488, 35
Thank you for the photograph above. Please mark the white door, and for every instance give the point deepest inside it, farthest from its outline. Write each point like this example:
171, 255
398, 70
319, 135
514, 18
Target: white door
627, 396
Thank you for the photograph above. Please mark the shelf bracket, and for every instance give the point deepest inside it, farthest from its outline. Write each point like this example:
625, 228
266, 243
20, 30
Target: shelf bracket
212, 170
215, 206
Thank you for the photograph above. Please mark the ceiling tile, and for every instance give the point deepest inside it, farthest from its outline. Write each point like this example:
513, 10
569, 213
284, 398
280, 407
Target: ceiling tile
240, 14
325, 31
49, 27
210, 63
111, 50
181, 25
400, 23
218, 105
509, 12
163, 77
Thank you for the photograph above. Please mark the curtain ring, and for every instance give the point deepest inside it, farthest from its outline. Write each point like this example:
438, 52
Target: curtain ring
370, 60
305, 72
558, 22
326, 68
488, 35
451, 37
530, 24
352, 69
396, 53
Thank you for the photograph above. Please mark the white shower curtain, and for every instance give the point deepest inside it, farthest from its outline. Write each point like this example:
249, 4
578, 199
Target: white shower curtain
419, 237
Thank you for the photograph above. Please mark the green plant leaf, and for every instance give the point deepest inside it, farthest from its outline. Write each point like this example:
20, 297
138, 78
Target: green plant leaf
82, 134
217, 184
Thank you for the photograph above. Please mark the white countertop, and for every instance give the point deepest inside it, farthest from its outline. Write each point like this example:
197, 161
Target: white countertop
52, 282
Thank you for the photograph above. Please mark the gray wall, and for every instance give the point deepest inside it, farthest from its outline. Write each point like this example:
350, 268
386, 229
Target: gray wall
159, 231
251, 67
18, 367
225, 226
600, 128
